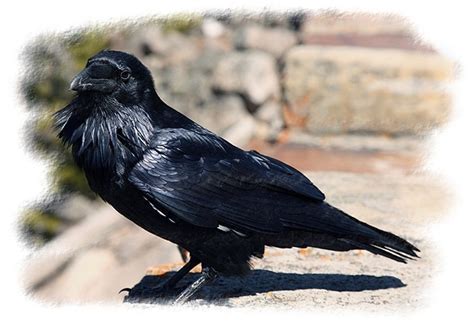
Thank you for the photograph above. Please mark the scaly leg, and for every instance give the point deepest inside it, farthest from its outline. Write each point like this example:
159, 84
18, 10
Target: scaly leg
208, 275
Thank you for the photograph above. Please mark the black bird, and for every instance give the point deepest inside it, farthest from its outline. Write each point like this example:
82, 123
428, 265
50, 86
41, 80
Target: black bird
185, 184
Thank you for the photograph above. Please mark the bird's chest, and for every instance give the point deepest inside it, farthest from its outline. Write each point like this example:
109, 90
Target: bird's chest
107, 174
107, 160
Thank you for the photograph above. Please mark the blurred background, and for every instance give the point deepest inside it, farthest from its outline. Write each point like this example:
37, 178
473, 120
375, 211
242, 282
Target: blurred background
326, 92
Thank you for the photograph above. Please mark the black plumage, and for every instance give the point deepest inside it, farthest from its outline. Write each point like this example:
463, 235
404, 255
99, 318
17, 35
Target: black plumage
183, 183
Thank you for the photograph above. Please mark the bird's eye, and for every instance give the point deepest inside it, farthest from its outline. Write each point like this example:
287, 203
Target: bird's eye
125, 75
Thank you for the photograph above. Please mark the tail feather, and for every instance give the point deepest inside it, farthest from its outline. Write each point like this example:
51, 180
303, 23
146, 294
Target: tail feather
381, 242
359, 235
381, 250
388, 242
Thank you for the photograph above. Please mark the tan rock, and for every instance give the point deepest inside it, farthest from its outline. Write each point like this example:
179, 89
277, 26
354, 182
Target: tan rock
272, 40
221, 114
356, 23
360, 29
335, 89
271, 118
80, 281
252, 74
94, 259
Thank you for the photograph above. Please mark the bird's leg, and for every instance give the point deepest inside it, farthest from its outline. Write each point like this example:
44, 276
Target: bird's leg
163, 289
208, 275
181, 273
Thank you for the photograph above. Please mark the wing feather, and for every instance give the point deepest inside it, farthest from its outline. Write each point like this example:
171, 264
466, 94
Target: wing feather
207, 182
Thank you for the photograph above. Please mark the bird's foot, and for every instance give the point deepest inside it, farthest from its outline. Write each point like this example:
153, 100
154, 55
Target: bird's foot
141, 294
147, 291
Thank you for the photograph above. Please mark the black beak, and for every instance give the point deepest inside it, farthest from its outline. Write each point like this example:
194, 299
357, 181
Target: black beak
85, 82
80, 82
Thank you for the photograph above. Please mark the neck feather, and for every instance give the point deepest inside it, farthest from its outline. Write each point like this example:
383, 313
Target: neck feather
106, 137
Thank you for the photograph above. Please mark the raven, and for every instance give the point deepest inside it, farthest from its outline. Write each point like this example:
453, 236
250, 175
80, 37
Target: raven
181, 182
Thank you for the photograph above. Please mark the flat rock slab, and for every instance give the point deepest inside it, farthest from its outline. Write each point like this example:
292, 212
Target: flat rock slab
347, 89
313, 278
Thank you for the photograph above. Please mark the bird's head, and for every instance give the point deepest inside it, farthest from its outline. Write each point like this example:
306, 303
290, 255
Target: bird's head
114, 74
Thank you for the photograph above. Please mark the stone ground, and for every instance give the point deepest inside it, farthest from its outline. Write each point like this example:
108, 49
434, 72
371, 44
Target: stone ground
105, 253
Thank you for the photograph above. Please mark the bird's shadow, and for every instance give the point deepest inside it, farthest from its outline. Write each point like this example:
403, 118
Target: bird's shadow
262, 281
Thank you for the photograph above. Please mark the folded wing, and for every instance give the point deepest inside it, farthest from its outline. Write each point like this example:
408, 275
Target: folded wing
207, 182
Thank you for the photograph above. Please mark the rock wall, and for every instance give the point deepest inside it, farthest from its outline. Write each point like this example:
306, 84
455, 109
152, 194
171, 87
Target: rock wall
322, 73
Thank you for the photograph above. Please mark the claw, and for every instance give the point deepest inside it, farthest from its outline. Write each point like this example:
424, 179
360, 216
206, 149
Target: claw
163, 291
127, 290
